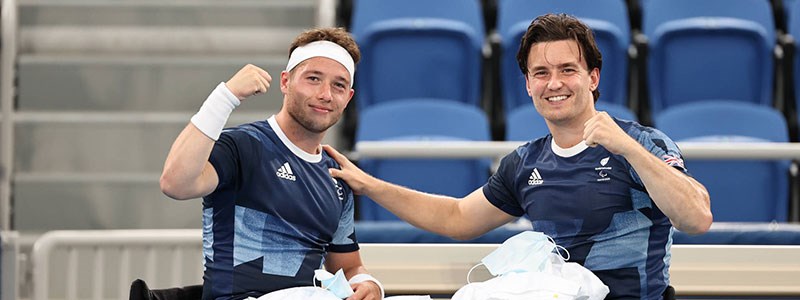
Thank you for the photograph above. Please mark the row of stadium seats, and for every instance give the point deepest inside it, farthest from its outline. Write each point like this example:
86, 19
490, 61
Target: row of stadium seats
743, 190
706, 68
687, 51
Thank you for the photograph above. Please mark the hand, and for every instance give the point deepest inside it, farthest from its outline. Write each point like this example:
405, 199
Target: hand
357, 179
366, 290
602, 130
249, 81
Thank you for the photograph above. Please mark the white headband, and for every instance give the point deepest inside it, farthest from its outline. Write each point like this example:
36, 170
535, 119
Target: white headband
322, 49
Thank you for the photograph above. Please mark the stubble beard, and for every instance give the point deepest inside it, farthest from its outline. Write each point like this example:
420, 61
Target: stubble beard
309, 123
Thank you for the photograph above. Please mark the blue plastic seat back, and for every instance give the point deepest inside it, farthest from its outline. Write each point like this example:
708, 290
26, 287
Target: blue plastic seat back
741, 190
525, 123
710, 49
607, 18
793, 27
423, 119
417, 48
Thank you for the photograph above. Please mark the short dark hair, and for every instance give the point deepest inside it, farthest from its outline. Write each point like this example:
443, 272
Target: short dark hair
336, 35
559, 27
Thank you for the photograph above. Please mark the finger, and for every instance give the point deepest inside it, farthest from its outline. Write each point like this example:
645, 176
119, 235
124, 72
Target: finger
335, 173
357, 294
265, 82
588, 129
262, 87
265, 75
591, 120
590, 140
333, 153
589, 136
338, 157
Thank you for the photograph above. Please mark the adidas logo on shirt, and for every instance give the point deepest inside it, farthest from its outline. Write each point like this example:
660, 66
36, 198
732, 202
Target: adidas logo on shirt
535, 178
285, 172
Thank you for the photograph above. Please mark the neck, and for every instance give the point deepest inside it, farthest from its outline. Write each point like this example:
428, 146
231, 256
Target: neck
305, 140
566, 137
568, 133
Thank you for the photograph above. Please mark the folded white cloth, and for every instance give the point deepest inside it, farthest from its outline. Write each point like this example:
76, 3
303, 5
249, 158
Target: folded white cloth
300, 293
560, 280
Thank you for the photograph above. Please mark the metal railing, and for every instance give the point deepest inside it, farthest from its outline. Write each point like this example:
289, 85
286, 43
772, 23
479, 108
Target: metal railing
476, 149
707, 270
121, 255
8, 62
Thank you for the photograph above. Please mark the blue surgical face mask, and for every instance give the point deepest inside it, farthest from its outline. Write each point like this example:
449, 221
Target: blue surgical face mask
337, 284
525, 252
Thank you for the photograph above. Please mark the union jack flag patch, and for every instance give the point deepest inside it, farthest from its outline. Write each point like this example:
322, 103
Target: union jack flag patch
673, 161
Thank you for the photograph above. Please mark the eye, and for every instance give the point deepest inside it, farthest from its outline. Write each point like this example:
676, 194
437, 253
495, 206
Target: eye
340, 85
539, 74
569, 71
312, 78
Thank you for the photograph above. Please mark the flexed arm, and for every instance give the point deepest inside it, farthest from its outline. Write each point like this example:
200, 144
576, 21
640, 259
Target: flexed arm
682, 199
187, 173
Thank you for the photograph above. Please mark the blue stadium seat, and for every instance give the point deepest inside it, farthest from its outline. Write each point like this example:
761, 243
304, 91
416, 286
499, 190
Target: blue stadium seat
525, 124
418, 49
607, 18
423, 119
741, 190
710, 49
787, 7
793, 27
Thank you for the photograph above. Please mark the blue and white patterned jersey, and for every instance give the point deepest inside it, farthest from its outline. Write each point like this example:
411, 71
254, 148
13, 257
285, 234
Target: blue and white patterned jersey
274, 215
593, 203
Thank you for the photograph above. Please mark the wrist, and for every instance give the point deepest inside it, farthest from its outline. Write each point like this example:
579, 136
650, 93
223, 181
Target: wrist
374, 187
358, 278
214, 112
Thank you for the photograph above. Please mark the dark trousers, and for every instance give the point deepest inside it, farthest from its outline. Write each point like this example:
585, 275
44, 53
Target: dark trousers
669, 293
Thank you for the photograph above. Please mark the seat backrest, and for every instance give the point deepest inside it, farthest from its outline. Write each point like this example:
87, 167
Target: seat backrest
741, 190
423, 119
792, 9
418, 48
525, 124
607, 18
710, 49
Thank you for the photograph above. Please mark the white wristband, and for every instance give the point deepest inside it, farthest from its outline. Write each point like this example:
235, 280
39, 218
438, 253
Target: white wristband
214, 113
366, 277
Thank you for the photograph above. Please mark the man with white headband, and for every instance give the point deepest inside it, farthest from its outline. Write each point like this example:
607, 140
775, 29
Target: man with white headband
272, 214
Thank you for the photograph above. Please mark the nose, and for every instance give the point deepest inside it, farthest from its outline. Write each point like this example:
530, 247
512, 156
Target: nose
554, 83
325, 92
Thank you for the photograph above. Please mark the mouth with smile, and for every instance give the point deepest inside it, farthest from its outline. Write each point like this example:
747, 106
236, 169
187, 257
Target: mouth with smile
321, 109
557, 98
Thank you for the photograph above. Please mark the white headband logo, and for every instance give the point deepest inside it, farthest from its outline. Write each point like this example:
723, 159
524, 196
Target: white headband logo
322, 49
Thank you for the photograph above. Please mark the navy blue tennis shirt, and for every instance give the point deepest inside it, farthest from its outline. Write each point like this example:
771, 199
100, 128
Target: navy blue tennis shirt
593, 203
274, 215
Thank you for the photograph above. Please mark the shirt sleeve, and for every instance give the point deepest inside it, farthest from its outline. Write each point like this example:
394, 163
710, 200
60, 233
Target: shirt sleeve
344, 239
660, 145
226, 157
500, 190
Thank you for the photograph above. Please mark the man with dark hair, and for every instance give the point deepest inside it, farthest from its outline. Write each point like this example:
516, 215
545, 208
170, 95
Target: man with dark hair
608, 190
272, 214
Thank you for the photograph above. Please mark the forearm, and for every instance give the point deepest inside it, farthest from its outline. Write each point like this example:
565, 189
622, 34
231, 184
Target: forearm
187, 173
186, 162
443, 215
682, 199
435, 213
351, 271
